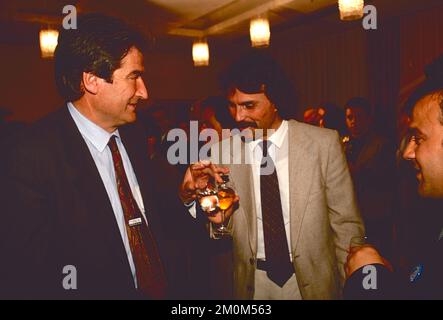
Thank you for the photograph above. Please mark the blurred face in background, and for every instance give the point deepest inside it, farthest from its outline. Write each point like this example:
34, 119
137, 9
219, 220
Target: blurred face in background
358, 121
425, 147
314, 116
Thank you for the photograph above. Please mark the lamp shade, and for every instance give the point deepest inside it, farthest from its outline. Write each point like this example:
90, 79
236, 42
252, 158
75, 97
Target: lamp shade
351, 9
200, 53
259, 32
48, 42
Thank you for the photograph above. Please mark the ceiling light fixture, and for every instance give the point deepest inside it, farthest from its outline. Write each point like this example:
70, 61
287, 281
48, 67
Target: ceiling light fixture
351, 9
260, 32
200, 53
48, 42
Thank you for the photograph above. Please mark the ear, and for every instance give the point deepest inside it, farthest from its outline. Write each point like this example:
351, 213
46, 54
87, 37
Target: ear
90, 82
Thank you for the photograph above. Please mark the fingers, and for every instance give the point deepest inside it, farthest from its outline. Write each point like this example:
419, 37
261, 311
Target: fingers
204, 169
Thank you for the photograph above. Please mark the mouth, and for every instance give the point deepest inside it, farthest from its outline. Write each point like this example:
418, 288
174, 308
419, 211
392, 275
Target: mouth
418, 173
132, 106
246, 125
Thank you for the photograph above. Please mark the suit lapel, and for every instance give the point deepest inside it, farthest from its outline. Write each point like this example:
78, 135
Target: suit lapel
143, 170
86, 180
301, 162
139, 161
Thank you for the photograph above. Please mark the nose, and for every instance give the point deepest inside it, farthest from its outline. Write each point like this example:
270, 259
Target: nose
409, 152
142, 92
239, 114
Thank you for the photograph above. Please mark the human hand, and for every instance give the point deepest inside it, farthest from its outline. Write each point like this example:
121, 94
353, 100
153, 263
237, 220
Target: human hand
197, 177
361, 256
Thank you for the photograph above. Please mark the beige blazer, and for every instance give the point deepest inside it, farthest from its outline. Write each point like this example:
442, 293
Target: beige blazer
323, 214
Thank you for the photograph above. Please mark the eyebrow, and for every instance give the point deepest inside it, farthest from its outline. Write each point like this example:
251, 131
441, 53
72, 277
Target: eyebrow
137, 73
416, 131
243, 103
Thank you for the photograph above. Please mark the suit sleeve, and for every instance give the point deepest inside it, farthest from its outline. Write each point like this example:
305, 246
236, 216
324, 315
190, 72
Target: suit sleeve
373, 282
344, 215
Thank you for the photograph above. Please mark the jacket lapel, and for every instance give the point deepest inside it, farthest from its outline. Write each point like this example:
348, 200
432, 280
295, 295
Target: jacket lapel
133, 142
86, 180
301, 163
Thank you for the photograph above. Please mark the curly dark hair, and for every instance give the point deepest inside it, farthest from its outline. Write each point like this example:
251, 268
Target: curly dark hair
258, 72
97, 45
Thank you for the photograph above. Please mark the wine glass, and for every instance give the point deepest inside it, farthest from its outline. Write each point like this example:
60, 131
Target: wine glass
208, 199
226, 196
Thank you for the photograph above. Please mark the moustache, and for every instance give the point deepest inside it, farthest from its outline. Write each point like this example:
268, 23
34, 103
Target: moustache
245, 124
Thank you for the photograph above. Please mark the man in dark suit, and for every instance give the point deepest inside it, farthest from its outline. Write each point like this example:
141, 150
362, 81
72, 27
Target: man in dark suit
82, 207
425, 151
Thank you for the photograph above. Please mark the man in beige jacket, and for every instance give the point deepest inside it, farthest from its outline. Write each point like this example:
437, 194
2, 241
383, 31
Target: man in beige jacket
292, 226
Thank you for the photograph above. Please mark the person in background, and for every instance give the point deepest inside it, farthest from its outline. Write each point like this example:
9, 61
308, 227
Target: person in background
327, 115
371, 159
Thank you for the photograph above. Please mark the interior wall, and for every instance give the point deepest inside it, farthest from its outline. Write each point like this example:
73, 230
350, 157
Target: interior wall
27, 85
328, 66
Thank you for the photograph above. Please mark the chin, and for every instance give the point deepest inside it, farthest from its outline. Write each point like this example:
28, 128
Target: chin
130, 119
430, 193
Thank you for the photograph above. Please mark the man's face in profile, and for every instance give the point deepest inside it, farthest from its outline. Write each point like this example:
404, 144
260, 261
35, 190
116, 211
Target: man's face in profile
253, 111
425, 147
117, 101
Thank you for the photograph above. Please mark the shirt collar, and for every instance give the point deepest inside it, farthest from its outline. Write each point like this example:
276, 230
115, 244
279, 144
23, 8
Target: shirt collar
277, 138
96, 135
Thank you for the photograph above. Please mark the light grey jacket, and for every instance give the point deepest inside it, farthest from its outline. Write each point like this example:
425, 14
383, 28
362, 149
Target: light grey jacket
323, 214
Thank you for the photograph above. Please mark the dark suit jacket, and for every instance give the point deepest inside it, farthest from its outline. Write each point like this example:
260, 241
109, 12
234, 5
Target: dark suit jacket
428, 284
56, 212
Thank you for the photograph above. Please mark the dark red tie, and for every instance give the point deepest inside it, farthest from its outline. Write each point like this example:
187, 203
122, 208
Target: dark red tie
278, 264
150, 274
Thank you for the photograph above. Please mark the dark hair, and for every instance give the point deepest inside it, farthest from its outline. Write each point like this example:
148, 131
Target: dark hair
360, 102
219, 104
432, 84
258, 72
97, 45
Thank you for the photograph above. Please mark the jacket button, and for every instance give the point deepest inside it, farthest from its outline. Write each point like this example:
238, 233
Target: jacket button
252, 261
249, 288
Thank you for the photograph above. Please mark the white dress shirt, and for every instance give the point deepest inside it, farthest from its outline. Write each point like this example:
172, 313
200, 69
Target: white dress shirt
97, 139
279, 155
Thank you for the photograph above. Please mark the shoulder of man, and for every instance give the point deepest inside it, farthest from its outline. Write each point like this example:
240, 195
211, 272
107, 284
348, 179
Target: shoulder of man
311, 134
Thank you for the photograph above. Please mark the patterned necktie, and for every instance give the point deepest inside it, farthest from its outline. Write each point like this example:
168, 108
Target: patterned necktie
279, 267
151, 278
